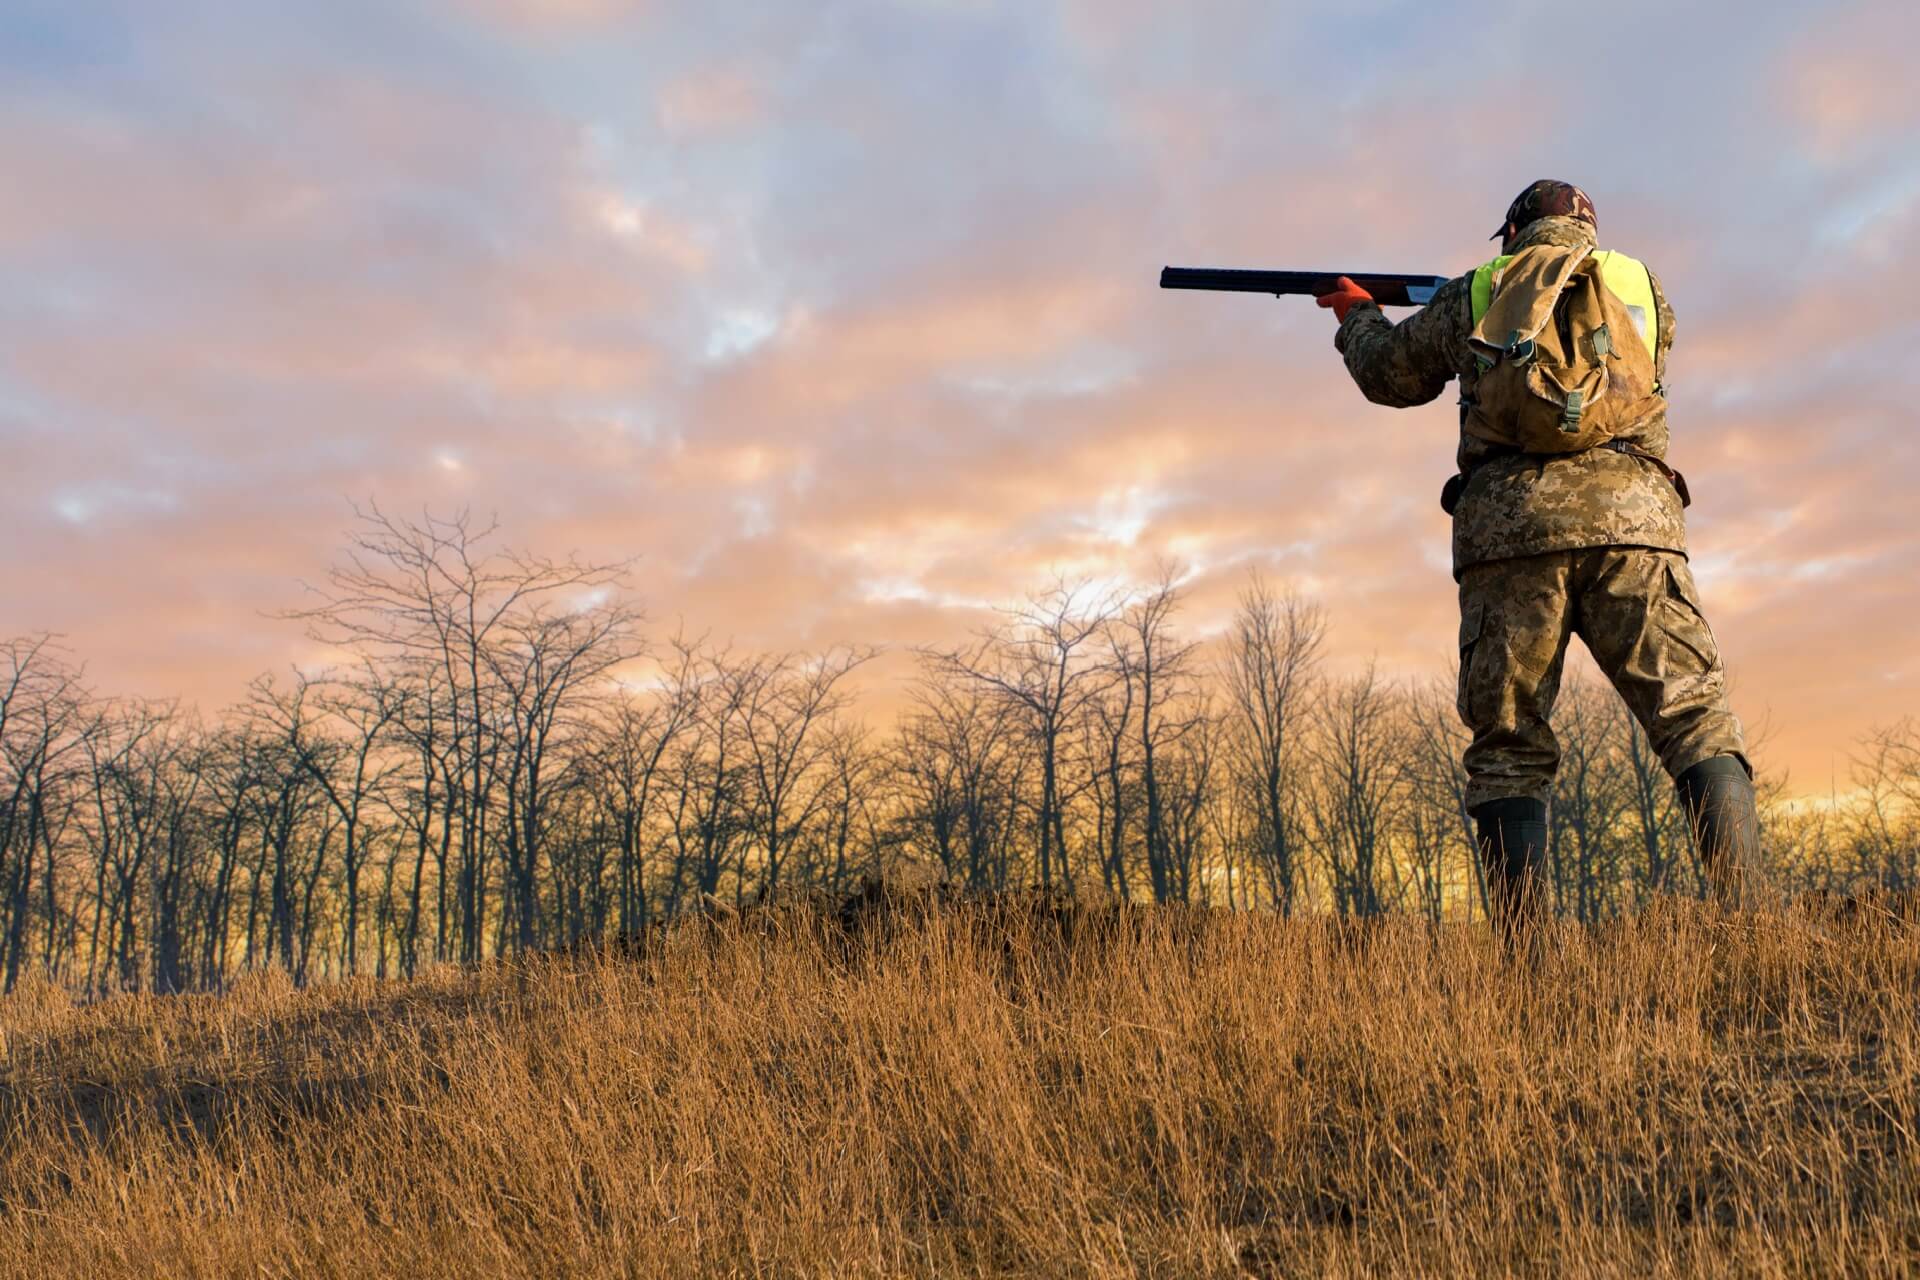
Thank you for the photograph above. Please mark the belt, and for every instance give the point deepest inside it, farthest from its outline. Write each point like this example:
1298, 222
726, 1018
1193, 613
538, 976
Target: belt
1457, 483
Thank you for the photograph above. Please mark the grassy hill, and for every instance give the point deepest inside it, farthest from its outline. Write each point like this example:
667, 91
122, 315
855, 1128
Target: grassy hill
1016, 1086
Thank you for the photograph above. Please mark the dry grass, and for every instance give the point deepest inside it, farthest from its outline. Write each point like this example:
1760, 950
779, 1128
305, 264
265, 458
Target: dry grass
1008, 1088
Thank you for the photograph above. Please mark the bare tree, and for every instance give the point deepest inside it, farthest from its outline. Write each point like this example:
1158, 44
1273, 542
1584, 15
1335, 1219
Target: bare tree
709, 822
1190, 765
627, 758
335, 729
960, 768
1160, 668
237, 769
1886, 776
783, 709
545, 661
1358, 752
420, 800
429, 593
1440, 821
1656, 816
1590, 797
851, 831
43, 719
128, 754
1038, 661
1107, 757
289, 720
1273, 650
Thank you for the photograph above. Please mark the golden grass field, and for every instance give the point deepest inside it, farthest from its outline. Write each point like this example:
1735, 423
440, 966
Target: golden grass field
1003, 1088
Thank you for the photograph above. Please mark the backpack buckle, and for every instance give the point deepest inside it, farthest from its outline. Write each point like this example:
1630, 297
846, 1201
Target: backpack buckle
1570, 416
1519, 349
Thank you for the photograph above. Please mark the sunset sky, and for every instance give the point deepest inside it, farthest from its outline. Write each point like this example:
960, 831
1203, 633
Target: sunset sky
842, 316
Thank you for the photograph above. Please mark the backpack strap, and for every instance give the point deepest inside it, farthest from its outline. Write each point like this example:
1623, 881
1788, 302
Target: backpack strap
1678, 481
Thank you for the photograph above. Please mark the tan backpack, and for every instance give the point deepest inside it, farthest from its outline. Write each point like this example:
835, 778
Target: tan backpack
1563, 365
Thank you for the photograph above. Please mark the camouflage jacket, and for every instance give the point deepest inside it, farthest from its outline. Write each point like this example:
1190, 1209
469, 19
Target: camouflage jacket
1518, 504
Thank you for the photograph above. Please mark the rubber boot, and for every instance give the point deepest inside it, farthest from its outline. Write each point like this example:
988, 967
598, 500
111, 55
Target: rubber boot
1718, 797
1512, 835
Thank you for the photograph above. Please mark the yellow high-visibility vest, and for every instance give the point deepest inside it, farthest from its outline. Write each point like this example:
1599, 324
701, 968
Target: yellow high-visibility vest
1627, 277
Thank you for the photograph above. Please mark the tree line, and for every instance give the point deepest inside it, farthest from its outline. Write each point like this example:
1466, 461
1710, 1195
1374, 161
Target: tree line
501, 760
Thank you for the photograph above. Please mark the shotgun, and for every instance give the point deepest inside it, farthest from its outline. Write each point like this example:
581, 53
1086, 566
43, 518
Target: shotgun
1387, 290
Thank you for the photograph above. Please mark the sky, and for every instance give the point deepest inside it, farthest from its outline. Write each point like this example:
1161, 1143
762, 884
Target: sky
842, 317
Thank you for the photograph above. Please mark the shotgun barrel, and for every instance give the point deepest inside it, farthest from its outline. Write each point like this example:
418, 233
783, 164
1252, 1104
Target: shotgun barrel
1387, 290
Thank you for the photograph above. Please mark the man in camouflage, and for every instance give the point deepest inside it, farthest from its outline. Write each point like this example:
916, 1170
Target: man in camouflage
1546, 546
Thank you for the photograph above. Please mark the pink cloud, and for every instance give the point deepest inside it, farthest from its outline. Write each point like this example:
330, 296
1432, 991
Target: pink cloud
709, 100
1848, 82
561, 15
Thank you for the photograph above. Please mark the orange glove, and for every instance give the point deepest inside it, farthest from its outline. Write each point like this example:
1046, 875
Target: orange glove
1343, 298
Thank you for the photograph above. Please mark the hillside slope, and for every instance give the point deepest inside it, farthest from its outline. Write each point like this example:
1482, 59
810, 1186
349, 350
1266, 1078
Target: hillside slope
1014, 1087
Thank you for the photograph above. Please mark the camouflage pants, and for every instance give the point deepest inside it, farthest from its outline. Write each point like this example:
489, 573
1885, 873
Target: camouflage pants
1640, 616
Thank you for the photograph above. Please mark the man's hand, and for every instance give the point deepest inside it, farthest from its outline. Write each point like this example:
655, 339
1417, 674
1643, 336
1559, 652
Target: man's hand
1343, 298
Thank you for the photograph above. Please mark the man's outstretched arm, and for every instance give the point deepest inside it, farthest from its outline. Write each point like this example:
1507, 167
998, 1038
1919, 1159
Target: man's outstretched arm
1400, 365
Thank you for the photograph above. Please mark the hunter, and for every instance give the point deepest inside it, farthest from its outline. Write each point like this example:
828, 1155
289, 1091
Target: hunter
1567, 521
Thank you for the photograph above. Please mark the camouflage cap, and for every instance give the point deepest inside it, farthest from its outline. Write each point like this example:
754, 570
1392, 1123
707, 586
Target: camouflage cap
1546, 198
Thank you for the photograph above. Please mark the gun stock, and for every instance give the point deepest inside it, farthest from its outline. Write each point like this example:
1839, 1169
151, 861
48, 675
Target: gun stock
1387, 290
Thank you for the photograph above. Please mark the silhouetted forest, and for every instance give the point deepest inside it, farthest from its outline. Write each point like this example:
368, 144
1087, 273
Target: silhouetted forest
506, 758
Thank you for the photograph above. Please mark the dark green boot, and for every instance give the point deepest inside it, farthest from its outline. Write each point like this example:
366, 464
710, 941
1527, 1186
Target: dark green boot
1512, 835
1718, 797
